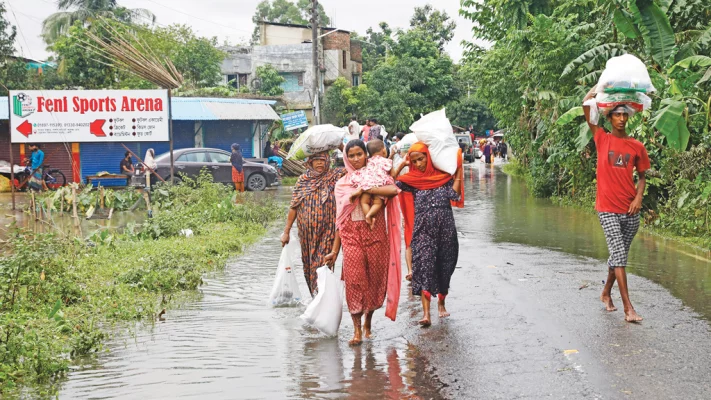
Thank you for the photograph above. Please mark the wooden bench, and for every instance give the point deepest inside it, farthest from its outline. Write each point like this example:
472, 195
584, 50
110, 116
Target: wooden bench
89, 179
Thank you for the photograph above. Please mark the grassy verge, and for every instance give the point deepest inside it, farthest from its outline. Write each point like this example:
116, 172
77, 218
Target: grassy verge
59, 296
289, 180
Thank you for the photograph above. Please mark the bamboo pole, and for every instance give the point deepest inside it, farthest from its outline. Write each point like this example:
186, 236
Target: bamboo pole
74, 205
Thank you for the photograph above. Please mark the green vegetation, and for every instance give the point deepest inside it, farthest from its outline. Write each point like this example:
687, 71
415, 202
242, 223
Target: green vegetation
553, 51
59, 296
270, 81
407, 73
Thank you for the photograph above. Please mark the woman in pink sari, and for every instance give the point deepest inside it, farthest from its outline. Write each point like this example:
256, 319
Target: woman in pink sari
371, 257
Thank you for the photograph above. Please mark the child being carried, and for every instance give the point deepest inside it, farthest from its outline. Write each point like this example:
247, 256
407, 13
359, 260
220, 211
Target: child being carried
375, 174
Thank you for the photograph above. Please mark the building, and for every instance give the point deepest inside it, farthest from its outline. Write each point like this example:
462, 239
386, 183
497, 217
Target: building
197, 122
288, 48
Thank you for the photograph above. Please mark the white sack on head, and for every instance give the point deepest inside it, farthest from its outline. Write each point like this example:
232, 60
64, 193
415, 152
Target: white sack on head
435, 130
317, 139
625, 72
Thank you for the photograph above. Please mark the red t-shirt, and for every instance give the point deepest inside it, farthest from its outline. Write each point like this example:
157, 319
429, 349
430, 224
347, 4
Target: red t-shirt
616, 158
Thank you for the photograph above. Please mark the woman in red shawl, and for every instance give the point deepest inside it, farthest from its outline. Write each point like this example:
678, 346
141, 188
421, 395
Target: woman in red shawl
313, 206
371, 257
435, 247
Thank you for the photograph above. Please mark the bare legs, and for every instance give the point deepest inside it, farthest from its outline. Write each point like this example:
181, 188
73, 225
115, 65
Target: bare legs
370, 211
426, 320
358, 331
620, 275
408, 260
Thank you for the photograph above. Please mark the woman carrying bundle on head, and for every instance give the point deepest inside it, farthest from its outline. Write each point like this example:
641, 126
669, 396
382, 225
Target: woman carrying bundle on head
313, 207
435, 247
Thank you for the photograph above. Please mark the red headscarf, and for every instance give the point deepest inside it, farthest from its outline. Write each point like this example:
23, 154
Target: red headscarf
430, 178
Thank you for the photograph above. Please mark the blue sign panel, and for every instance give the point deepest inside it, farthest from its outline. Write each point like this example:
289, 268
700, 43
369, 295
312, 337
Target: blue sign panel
294, 120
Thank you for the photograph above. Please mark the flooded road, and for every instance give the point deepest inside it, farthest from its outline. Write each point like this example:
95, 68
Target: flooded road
526, 323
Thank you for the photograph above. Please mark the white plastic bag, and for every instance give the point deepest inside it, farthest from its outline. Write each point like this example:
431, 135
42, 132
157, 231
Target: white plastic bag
403, 146
625, 72
435, 131
603, 103
285, 291
326, 310
317, 139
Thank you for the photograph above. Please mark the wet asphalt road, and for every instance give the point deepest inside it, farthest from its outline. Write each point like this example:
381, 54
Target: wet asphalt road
523, 328
526, 323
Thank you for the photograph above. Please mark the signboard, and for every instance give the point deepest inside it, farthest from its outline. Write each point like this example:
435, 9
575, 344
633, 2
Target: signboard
294, 120
77, 116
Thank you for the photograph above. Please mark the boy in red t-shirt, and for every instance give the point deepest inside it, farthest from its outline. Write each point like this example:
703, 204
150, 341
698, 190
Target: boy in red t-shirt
619, 201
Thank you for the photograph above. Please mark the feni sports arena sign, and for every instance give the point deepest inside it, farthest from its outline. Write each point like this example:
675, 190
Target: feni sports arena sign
76, 116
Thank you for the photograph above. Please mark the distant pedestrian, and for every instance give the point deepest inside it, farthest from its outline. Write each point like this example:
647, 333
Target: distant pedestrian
354, 129
36, 183
618, 201
504, 151
375, 130
149, 161
237, 168
126, 166
365, 131
268, 151
487, 153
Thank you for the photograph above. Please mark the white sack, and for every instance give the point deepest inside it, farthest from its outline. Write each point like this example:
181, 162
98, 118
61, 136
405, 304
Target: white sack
317, 139
326, 310
435, 131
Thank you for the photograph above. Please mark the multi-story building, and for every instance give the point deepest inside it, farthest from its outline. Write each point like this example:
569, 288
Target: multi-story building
288, 48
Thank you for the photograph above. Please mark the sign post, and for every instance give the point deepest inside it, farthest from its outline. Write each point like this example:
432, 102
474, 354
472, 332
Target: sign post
81, 116
294, 120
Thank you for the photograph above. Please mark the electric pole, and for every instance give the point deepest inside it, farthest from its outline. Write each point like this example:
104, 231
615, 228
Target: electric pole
316, 81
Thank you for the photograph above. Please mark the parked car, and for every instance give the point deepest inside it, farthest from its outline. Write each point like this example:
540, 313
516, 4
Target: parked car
191, 161
470, 152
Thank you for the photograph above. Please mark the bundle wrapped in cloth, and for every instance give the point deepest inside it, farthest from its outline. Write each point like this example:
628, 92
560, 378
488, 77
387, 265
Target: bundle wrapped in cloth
317, 139
624, 82
435, 131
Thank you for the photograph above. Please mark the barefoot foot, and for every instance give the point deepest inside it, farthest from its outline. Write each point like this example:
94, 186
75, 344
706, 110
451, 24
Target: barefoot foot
632, 316
607, 300
425, 322
442, 310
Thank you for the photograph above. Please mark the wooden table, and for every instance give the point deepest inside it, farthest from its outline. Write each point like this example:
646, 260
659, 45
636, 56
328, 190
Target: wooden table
89, 179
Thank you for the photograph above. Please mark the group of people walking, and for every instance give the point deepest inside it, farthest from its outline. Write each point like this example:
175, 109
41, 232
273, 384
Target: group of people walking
327, 205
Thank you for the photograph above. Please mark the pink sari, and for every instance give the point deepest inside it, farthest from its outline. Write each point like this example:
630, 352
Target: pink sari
344, 208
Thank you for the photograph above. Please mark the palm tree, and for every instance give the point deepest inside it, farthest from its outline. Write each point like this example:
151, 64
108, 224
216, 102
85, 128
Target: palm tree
70, 11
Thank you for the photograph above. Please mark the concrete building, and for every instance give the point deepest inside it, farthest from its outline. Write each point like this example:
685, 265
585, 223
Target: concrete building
287, 48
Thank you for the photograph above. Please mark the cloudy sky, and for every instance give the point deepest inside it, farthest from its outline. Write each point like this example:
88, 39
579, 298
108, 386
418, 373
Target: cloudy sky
231, 20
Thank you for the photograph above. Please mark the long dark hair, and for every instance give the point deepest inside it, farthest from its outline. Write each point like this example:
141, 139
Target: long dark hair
353, 143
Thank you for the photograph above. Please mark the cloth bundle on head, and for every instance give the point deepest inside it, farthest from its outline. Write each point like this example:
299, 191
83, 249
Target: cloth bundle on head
344, 209
430, 178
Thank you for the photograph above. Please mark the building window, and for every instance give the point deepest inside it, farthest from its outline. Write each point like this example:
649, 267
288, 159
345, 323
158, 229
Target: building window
238, 80
356, 80
293, 81
345, 59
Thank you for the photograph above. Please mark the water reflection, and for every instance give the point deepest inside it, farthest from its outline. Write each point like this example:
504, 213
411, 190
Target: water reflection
520, 218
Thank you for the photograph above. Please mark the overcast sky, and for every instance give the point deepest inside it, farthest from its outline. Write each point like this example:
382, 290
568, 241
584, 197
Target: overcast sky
231, 20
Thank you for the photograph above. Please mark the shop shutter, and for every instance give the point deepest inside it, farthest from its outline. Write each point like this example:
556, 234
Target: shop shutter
221, 135
97, 157
59, 156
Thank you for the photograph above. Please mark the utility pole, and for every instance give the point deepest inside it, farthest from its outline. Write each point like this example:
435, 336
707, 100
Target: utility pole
316, 81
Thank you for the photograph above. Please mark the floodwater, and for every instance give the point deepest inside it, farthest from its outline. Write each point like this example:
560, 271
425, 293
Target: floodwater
228, 344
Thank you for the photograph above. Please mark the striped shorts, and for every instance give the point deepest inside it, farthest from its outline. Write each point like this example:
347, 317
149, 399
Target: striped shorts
619, 231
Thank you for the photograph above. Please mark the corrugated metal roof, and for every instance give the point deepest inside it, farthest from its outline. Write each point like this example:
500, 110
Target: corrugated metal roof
206, 109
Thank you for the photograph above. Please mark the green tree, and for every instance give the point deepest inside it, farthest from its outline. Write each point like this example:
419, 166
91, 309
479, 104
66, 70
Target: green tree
270, 81
470, 111
285, 12
84, 11
8, 32
435, 23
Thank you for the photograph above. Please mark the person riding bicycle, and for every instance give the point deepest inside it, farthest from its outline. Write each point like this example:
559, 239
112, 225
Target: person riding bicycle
36, 181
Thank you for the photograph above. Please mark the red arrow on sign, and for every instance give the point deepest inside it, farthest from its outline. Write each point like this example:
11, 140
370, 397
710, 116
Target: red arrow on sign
25, 128
97, 128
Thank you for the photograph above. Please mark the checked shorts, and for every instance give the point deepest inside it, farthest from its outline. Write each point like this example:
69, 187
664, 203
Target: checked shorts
619, 231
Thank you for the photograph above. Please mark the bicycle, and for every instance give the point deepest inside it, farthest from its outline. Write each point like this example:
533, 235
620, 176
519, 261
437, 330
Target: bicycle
53, 178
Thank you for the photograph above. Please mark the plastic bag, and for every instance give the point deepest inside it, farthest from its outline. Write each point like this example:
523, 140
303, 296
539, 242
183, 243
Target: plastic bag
315, 140
603, 103
285, 291
326, 310
403, 146
4, 184
625, 73
435, 131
